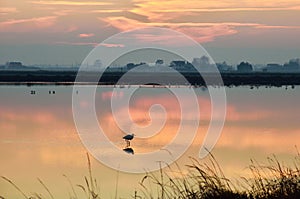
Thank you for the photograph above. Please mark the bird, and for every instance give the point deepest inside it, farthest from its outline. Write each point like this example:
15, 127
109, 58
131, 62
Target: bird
127, 138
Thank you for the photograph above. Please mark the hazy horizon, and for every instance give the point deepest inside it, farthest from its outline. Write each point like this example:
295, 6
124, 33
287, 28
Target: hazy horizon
67, 55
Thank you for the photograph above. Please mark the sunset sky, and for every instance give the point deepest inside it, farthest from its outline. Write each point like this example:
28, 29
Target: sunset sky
63, 32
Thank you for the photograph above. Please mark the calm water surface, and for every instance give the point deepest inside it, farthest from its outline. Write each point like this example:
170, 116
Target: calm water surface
38, 137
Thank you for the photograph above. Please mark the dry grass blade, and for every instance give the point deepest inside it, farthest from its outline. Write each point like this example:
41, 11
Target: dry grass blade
91, 183
90, 171
46, 188
71, 185
38, 196
83, 189
15, 186
117, 185
88, 186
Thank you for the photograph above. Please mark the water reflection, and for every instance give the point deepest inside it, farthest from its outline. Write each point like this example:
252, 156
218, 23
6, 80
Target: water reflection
129, 150
38, 137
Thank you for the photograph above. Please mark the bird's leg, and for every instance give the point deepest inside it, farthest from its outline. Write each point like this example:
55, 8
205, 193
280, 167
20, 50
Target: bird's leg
127, 143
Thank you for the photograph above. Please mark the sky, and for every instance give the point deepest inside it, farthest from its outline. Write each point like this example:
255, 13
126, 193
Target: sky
63, 31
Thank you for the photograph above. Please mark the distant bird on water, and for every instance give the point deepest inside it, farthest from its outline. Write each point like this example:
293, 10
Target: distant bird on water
127, 138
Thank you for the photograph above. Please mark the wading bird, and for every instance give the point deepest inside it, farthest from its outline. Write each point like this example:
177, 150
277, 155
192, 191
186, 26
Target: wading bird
127, 138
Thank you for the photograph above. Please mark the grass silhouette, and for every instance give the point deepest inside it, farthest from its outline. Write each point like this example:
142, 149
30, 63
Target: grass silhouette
273, 180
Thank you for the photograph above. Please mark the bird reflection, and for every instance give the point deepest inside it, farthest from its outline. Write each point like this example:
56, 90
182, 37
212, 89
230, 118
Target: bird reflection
129, 150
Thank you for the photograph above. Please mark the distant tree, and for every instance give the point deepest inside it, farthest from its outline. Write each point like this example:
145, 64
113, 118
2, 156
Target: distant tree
294, 62
292, 66
202, 62
130, 66
224, 66
245, 67
159, 62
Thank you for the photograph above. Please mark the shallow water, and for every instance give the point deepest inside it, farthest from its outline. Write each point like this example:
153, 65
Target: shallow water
38, 137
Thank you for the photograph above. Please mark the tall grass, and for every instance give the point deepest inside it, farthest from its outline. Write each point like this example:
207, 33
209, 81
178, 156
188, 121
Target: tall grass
275, 180
206, 180
272, 180
89, 187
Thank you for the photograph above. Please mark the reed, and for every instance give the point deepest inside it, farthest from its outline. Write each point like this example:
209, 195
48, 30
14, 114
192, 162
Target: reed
273, 180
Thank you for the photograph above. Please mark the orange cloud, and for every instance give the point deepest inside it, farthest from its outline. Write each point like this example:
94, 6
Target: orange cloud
214, 5
174, 14
107, 11
202, 32
167, 13
6, 10
72, 3
277, 27
223, 9
86, 35
64, 12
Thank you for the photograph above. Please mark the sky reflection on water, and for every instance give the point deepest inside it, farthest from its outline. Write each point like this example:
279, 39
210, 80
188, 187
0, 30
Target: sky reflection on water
38, 137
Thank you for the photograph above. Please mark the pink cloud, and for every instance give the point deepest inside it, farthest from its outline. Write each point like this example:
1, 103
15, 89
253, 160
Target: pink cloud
71, 28
112, 45
86, 35
35, 20
123, 23
207, 34
78, 43
26, 25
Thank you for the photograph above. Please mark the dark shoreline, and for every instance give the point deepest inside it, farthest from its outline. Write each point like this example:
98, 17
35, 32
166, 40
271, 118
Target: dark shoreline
112, 78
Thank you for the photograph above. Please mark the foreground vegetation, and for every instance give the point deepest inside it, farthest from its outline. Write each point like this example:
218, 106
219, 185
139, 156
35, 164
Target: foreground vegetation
202, 181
